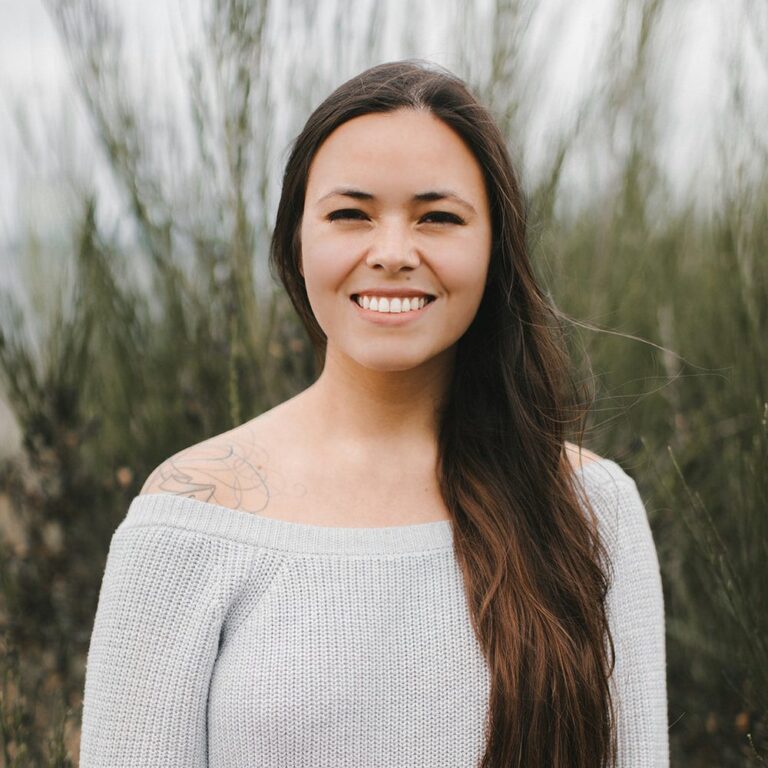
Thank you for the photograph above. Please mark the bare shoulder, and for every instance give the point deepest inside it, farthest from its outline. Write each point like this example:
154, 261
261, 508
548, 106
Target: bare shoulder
236, 469
580, 456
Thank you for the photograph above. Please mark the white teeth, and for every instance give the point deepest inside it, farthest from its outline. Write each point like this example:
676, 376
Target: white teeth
396, 304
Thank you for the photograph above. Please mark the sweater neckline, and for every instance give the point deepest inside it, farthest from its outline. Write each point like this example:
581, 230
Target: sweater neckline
273, 533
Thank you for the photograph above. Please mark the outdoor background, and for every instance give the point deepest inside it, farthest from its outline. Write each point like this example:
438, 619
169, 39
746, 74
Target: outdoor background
141, 154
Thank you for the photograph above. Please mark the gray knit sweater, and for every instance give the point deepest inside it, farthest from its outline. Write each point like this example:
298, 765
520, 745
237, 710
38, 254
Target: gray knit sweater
228, 640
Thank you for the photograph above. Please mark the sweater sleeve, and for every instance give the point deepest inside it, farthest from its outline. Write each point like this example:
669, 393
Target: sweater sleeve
635, 607
155, 639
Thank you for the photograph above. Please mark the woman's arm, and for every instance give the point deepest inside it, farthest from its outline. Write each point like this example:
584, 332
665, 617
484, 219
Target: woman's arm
154, 642
635, 607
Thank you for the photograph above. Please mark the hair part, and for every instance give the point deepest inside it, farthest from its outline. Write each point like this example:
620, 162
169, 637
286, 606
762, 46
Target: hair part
535, 571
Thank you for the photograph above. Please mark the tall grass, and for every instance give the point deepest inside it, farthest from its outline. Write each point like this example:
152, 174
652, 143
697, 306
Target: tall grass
690, 426
175, 333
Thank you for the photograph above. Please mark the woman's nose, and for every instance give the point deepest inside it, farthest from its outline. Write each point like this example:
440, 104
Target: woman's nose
393, 247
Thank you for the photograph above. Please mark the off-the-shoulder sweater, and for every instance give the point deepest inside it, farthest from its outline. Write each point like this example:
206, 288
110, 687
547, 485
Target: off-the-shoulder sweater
224, 639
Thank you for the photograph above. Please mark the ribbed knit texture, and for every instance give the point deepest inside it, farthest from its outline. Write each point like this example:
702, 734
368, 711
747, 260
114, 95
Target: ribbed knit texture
227, 640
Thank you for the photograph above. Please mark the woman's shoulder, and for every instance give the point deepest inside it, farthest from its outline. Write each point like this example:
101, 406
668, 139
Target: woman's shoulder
612, 494
594, 470
228, 469
580, 457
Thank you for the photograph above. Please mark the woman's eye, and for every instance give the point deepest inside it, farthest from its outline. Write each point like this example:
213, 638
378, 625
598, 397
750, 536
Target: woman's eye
434, 217
347, 213
442, 217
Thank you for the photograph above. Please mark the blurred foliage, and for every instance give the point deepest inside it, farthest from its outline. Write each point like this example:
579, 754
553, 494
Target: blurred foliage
693, 435
156, 341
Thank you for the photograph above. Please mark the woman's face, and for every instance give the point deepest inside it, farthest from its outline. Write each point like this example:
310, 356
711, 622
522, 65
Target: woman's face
395, 207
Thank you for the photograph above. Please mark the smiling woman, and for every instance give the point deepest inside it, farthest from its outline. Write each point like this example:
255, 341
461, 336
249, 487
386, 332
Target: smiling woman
407, 563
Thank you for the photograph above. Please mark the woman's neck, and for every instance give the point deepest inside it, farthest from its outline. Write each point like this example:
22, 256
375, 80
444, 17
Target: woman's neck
368, 410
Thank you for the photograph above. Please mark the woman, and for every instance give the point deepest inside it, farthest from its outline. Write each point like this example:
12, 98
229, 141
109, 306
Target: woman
406, 564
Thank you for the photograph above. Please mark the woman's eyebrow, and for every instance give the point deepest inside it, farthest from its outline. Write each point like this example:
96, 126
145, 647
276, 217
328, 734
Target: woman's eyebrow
428, 197
355, 193
443, 195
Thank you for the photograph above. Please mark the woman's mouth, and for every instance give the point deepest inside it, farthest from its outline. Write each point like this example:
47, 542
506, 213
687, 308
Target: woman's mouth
392, 310
392, 304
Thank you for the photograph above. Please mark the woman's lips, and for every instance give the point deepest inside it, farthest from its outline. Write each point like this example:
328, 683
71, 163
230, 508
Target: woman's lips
390, 318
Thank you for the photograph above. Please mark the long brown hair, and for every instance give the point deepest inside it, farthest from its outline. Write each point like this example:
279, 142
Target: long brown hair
535, 571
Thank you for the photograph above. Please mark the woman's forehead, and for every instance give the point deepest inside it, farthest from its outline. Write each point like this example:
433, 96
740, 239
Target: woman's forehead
395, 152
